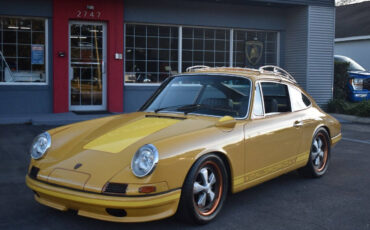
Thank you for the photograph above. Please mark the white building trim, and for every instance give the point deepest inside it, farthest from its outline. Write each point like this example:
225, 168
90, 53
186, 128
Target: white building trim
353, 38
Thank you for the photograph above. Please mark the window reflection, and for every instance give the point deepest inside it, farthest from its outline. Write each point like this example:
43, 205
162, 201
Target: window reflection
22, 50
208, 47
151, 53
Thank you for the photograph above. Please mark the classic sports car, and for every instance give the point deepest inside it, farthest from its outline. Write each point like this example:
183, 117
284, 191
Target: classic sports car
201, 135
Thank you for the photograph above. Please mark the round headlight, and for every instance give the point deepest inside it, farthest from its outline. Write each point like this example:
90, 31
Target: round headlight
40, 145
144, 160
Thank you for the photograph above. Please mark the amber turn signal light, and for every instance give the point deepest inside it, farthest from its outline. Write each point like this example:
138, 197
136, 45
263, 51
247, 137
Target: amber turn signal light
147, 189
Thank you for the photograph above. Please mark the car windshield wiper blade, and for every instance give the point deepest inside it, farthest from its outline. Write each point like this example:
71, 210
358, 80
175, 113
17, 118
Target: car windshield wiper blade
196, 107
178, 107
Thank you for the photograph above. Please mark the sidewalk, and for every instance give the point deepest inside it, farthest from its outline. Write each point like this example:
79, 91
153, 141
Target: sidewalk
70, 117
343, 118
48, 118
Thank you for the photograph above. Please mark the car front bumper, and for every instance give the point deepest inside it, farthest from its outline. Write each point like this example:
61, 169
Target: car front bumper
137, 209
336, 139
359, 95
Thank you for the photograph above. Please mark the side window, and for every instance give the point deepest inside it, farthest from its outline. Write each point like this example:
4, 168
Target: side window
298, 99
257, 104
306, 101
275, 97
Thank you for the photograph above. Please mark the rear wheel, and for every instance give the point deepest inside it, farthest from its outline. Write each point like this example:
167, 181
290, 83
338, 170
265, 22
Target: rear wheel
318, 162
204, 190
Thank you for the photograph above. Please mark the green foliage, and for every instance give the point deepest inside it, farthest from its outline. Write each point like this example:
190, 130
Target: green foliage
339, 104
351, 108
336, 106
340, 80
360, 108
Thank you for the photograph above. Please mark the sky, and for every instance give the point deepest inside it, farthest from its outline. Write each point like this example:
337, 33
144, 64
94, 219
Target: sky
349, 1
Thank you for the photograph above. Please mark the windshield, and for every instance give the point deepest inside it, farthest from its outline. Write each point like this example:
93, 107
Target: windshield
215, 95
353, 66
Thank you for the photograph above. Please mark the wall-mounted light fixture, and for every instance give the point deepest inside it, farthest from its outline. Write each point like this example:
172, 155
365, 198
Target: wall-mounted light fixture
90, 7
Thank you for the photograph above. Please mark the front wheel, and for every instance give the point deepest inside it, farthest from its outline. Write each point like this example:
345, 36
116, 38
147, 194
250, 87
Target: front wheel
204, 190
318, 161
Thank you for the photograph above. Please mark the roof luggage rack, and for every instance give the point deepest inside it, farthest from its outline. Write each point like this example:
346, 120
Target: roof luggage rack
277, 70
196, 67
203, 67
267, 69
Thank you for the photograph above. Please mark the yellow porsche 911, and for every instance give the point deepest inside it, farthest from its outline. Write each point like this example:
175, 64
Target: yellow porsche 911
202, 135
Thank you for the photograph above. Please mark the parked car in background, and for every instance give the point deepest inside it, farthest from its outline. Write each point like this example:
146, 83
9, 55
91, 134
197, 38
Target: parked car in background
359, 79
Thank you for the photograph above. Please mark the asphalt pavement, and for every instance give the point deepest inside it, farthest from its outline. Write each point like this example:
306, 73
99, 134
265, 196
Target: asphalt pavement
339, 200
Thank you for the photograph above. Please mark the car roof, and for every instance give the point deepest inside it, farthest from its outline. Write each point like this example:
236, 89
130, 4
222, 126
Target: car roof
263, 73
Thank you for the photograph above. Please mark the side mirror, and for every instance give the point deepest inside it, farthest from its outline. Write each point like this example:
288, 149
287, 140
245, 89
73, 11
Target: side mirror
226, 122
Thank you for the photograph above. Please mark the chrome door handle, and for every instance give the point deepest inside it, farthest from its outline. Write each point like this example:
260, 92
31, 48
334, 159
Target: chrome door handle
298, 124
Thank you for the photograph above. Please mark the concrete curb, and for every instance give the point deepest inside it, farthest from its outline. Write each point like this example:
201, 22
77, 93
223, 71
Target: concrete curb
351, 119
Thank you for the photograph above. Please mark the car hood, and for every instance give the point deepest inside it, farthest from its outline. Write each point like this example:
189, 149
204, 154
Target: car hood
359, 74
86, 155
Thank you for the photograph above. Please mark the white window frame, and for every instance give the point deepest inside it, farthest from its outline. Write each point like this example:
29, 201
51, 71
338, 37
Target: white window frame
180, 38
46, 59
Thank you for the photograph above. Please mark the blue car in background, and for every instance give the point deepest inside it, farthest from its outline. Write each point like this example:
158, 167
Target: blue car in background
359, 79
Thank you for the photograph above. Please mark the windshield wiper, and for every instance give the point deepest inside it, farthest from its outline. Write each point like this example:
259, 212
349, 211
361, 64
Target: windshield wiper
196, 107
189, 108
178, 107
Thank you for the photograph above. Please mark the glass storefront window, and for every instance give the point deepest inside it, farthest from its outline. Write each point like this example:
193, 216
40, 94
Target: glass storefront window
22, 50
152, 51
208, 47
254, 48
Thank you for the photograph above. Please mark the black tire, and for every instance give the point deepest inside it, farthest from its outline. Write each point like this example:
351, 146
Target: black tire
319, 158
191, 209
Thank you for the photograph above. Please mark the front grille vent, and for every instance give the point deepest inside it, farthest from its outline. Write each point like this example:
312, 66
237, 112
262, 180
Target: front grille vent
115, 188
116, 212
33, 172
367, 83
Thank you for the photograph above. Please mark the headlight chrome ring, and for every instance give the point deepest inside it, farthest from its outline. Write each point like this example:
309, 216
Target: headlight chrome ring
145, 160
40, 145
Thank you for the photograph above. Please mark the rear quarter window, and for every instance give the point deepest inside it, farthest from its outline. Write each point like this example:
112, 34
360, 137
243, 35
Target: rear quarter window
275, 97
299, 101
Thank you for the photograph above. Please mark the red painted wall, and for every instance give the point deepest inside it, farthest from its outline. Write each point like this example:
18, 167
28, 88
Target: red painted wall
109, 11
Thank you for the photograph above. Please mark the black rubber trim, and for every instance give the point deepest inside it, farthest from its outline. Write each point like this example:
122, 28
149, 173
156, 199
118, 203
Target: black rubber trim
115, 188
33, 172
104, 194
116, 212
169, 117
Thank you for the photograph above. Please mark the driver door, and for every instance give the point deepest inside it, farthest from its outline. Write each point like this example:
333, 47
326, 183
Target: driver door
272, 137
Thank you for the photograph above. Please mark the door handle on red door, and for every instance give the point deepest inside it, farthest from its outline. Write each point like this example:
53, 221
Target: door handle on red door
298, 124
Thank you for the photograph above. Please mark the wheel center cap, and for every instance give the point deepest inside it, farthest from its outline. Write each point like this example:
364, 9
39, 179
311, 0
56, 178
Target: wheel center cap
208, 188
